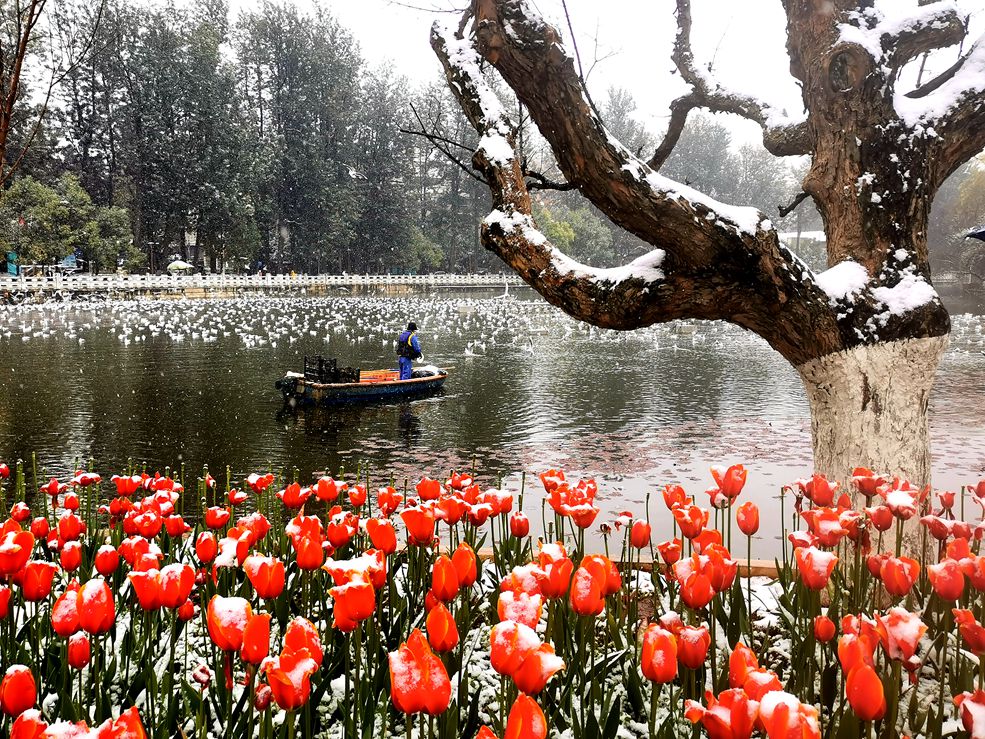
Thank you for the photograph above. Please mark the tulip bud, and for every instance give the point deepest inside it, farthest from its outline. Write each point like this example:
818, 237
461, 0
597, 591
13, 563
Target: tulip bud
71, 556
824, 629
107, 560
79, 651
519, 525
71, 502
206, 547
4, 471
20, 512
747, 517
639, 535
40, 527
261, 698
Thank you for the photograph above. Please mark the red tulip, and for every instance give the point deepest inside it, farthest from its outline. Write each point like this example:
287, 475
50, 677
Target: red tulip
418, 679
659, 656
881, 517
900, 632
357, 496
972, 632
865, 693
29, 725
15, 551
227, 619
639, 534
538, 667
670, 551
302, 636
428, 489
18, 691
5, 594
294, 496
947, 579
444, 579
79, 651
730, 716
146, 585
866, 481
266, 574
206, 547
526, 720
898, 574
107, 560
519, 525
256, 639
354, 602
819, 490
289, 676
20, 513
441, 628
509, 644
466, 565
747, 517
420, 525
824, 629
692, 645
815, 566
783, 716
728, 484
971, 707
186, 611
97, 611
382, 535
65, 613
741, 663
586, 593
259, 483
216, 517
691, 519
388, 500
40, 527
694, 577
4, 471
36, 580
70, 557
519, 606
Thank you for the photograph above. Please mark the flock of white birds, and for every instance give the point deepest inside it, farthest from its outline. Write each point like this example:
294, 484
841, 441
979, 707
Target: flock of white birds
466, 326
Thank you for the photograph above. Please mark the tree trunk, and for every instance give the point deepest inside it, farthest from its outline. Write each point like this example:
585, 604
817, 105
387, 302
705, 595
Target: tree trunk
869, 407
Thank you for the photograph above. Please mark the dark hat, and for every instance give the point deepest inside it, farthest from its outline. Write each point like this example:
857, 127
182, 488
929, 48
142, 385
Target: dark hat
412, 326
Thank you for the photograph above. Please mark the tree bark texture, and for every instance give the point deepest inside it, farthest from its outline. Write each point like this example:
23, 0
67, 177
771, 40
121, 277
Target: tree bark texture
878, 158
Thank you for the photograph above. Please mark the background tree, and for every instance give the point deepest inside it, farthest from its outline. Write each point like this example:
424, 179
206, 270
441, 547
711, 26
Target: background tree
866, 336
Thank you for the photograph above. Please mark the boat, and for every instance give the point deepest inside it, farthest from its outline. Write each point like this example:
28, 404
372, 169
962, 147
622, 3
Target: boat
322, 383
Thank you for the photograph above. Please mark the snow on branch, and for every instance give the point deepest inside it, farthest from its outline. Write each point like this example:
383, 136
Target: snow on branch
711, 261
783, 134
510, 224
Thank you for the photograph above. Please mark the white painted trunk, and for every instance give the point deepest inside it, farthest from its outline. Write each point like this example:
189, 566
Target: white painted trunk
869, 408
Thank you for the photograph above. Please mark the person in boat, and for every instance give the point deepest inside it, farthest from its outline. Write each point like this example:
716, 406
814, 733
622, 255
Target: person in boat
408, 349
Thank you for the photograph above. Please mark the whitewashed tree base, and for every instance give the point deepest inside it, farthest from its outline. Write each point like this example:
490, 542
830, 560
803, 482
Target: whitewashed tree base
869, 408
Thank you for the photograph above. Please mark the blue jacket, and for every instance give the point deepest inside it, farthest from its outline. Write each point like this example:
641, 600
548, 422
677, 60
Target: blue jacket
408, 346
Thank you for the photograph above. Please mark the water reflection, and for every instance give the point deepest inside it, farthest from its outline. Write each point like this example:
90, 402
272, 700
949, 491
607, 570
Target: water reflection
192, 382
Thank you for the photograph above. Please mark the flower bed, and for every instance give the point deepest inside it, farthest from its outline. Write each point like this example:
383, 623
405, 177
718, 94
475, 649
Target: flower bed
325, 610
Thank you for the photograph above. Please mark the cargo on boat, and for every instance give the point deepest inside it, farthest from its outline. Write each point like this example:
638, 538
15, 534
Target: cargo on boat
324, 383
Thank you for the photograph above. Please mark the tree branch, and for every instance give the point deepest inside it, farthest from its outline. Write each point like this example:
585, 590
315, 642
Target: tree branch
934, 26
780, 137
785, 210
543, 183
953, 104
711, 261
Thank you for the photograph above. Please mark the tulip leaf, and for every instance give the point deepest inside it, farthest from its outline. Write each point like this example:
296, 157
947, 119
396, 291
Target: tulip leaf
829, 685
611, 729
634, 693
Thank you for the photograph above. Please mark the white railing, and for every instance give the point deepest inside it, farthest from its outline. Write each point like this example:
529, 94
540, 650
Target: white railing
177, 283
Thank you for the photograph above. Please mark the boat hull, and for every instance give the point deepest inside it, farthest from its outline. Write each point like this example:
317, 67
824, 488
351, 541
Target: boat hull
298, 391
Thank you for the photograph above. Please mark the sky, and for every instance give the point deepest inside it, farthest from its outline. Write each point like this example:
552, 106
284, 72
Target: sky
632, 40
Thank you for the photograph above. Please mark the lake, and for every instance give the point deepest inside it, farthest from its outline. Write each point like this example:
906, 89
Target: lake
172, 382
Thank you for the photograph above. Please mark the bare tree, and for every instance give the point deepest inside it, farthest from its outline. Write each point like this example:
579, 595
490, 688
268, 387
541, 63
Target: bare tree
57, 49
867, 334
